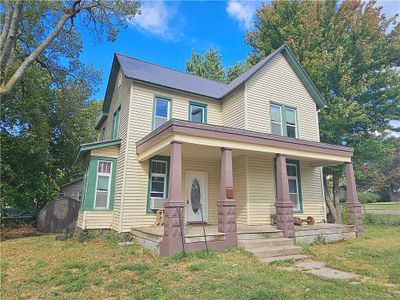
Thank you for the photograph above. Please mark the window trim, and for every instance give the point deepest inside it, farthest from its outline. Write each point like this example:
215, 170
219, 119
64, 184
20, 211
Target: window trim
280, 113
205, 110
156, 158
110, 176
88, 197
284, 123
297, 164
115, 124
169, 99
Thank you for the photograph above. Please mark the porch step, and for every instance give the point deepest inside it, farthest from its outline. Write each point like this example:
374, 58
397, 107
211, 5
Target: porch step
276, 251
295, 257
259, 235
265, 243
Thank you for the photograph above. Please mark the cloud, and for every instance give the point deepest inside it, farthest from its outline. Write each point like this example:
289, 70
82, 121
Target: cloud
242, 11
157, 18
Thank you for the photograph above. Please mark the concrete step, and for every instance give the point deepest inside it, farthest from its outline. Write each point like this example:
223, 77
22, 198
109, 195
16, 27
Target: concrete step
276, 251
265, 243
259, 235
295, 257
209, 237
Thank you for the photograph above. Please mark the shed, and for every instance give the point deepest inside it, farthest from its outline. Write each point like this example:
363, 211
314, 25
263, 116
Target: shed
73, 189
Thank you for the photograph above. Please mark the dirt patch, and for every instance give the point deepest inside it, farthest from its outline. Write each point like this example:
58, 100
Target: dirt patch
18, 231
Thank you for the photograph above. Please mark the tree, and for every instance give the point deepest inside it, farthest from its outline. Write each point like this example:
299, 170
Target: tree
210, 66
21, 47
351, 54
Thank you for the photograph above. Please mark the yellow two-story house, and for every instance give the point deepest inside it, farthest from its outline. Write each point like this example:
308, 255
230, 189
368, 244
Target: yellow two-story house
204, 152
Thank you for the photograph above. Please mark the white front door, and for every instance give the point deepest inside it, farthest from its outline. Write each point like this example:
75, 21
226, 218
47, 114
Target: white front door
197, 196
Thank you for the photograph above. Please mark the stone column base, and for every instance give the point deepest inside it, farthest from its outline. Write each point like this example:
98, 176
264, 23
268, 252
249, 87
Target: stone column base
172, 240
356, 217
227, 221
284, 218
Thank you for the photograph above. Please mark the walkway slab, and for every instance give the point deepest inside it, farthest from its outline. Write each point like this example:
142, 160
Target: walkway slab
320, 269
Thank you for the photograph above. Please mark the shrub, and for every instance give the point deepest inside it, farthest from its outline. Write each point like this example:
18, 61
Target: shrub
366, 197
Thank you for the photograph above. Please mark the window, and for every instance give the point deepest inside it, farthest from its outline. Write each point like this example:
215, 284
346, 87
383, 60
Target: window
103, 184
158, 183
293, 180
103, 134
115, 124
119, 80
161, 111
276, 120
283, 120
197, 112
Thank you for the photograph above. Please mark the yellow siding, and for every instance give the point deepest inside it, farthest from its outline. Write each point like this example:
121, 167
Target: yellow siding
98, 220
233, 110
277, 82
311, 185
79, 221
112, 151
261, 189
240, 188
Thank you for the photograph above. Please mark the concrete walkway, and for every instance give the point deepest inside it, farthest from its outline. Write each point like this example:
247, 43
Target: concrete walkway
319, 269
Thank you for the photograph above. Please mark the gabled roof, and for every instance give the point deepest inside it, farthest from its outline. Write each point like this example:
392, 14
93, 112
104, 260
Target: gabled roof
85, 148
158, 75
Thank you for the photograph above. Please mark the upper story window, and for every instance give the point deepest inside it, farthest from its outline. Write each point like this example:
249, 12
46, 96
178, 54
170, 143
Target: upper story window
115, 124
103, 134
197, 112
162, 111
283, 120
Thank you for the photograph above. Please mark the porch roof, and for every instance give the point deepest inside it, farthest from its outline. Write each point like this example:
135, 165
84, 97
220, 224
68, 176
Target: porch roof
238, 139
86, 148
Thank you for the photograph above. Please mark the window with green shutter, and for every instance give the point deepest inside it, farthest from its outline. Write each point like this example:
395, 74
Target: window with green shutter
115, 124
283, 120
99, 184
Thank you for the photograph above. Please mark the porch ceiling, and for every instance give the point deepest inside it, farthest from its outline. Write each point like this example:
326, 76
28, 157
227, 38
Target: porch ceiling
204, 142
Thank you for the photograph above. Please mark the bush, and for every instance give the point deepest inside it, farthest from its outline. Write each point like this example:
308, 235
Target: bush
366, 197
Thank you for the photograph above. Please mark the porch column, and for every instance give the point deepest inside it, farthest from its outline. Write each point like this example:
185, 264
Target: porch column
172, 240
226, 203
353, 204
283, 204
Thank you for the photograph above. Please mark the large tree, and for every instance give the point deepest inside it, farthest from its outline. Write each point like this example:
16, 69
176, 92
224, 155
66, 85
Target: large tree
352, 52
209, 65
36, 31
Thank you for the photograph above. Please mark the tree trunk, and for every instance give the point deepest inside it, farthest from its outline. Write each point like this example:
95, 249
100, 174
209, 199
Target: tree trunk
332, 198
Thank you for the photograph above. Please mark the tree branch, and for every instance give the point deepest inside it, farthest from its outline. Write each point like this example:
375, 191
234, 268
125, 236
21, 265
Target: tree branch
7, 87
6, 25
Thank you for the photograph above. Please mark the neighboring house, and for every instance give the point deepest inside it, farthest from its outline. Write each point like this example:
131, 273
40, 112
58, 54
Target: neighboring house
165, 134
73, 189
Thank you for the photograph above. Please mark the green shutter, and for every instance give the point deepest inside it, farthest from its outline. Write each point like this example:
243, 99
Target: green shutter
115, 124
89, 196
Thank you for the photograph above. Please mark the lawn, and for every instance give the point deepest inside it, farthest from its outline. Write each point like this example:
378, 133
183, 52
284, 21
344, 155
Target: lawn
382, 205
40, 267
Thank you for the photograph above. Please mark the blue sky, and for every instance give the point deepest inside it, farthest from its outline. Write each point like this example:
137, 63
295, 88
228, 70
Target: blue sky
167, 31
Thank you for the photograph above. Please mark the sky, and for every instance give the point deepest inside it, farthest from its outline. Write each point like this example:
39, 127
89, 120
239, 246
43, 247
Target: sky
167, 31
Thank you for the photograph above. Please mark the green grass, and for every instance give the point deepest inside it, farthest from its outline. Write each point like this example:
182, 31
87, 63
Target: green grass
40, 267
382, 205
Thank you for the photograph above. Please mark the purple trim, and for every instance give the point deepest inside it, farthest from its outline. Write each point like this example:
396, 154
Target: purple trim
236, 134
353, 204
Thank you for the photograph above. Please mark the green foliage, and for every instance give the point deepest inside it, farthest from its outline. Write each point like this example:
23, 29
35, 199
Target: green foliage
375, 219
366, 197
210, 66
351, 51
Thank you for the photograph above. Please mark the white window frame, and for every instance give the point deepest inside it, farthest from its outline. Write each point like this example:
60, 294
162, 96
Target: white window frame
295, 120
109, 184
155, 110
165, 176
280, 113
203, 109
297, 185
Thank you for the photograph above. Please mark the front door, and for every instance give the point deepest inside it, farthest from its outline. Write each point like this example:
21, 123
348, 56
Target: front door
197, 196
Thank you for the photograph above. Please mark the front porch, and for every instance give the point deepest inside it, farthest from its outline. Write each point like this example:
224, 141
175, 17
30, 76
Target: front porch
194, 237
268, 181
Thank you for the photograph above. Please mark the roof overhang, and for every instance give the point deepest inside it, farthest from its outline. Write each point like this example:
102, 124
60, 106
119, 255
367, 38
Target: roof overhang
239, 139
86, 148
101, 120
